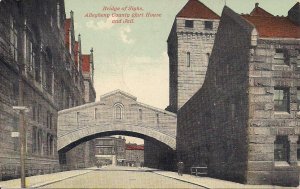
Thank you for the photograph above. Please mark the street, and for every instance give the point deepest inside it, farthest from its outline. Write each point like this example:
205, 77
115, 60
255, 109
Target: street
120, 177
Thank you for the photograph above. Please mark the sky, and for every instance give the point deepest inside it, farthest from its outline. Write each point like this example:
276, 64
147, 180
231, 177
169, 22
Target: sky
133, 56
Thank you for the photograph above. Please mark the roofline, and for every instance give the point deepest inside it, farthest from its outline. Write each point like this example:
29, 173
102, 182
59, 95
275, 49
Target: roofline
186, 18
118, 91
157, 109
198, 2
278, 38
91, 104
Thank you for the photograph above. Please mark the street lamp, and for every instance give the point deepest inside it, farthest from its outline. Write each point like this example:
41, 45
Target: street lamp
22, 125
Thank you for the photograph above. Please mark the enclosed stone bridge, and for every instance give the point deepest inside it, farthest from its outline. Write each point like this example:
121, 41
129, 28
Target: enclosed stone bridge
116, 113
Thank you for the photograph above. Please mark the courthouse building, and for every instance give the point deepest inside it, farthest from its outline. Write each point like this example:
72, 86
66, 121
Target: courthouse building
33, 47
243, 124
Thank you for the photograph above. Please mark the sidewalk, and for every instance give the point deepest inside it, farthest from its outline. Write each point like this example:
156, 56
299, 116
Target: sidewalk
41, 180
208, 182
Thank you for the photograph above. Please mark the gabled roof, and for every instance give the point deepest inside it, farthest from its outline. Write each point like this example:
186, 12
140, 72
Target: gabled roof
274, 26
257, 11
118, 91
196, 9
86, 63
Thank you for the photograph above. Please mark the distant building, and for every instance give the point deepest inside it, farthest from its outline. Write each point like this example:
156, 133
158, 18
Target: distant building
110, 150
243, 124
134, 155
190, 43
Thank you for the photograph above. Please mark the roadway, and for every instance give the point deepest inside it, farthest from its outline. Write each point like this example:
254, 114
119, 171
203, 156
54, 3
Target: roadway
120, 177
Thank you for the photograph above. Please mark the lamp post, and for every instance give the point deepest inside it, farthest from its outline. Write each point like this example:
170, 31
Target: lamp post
22, 126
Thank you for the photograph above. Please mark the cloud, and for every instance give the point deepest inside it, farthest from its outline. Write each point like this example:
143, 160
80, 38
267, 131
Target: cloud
101, 25
124, 35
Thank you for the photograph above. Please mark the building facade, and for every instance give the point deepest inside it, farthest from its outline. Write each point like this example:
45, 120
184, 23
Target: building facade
243, 123
33, 50
110, 150
134, 155
189, 47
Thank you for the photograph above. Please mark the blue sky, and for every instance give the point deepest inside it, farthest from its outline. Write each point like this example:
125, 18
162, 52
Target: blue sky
133, 57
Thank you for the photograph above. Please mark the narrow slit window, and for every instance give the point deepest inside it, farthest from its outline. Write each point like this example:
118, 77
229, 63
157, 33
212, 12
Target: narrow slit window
188, 59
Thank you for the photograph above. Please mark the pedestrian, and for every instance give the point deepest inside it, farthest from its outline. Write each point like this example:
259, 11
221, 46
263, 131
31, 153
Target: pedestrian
180, 168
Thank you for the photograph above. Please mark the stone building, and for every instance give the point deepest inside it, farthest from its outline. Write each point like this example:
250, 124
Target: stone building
83, 70
110, 150
32, 46
189, 46
134, 155
243, 124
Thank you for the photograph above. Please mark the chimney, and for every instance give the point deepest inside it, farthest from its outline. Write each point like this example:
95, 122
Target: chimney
294, 14
256, 5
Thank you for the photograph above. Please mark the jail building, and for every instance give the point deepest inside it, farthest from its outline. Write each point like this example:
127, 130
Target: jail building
243, 124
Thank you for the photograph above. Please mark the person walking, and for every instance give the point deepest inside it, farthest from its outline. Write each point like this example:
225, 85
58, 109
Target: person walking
180, 168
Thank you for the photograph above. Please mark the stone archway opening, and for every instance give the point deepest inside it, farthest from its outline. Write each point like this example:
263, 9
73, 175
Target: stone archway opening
156, 153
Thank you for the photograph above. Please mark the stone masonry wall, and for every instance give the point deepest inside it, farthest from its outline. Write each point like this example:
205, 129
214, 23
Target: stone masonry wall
198, 41
265, 123
212, 125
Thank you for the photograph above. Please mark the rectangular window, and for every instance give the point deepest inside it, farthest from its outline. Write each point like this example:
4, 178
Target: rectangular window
30, 55
34, 111
188, 59
157, 119
208, 25
13, 39
298, 98
140, 114
298, 149
298, 58
282, 149
34, 140
281, 99
279, 56
189, 23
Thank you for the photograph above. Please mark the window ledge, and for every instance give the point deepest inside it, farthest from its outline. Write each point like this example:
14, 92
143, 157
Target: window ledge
281, 164
282, 113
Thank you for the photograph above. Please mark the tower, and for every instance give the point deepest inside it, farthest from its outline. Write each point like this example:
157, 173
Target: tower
190, 44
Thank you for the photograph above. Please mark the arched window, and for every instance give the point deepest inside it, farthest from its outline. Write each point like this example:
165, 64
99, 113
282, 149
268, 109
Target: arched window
118, 111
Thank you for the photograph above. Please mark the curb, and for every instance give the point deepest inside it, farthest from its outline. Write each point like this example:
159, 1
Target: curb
179, 179
51, 182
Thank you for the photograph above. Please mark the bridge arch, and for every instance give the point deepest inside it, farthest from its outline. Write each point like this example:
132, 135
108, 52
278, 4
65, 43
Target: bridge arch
116, 112
83, 134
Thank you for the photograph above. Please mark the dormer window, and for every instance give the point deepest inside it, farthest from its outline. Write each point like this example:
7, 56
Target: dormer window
208, 25
189, 23
279, 56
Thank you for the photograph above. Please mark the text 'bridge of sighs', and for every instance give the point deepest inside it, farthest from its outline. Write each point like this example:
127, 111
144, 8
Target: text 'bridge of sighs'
116, 113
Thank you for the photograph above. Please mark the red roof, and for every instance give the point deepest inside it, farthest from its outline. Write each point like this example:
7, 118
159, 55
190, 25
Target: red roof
196, 9
76, 52
86, 63
274, 26
257, 11
67, 28
134, 147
